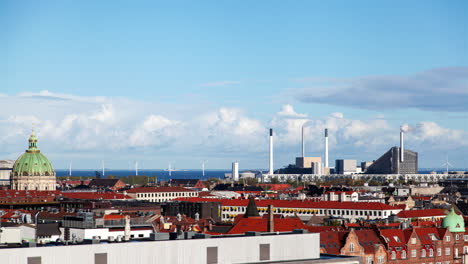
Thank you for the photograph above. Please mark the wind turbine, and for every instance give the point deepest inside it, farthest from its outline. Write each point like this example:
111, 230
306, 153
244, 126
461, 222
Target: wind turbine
203, 168
447, 164
136, 168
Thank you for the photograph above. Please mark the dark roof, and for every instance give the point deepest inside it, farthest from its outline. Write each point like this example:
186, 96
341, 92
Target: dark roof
48, 229
103, 182
251, 210
236, 187
184, 181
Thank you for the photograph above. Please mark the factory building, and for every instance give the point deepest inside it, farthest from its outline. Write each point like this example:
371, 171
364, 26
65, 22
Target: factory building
307, 162
392, 163
345, 166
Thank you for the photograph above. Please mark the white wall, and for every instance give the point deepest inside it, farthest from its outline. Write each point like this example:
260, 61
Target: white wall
230, 250
104, 233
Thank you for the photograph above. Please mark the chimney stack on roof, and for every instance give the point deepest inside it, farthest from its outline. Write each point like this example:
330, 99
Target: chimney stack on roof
271, 220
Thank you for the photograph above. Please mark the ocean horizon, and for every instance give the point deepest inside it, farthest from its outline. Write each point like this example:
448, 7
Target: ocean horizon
163, 175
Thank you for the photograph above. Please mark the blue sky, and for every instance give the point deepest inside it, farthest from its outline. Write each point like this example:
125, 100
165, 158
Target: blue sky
239, 63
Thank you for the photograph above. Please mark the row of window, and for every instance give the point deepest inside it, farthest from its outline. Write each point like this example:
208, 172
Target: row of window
167, 194
311, 211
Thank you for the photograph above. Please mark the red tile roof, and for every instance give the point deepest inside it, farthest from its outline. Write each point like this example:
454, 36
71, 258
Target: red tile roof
421, 213
96, 195
368, 239
297, 204
332, 242
261, 225
113, 217
393, 237
275, 187
158, 189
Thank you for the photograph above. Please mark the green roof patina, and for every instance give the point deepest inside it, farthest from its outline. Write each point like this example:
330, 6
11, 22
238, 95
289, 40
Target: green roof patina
32, 162
454, 222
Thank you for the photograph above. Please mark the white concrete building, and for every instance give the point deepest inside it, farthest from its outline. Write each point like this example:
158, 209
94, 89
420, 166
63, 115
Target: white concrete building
161, 194
209, 250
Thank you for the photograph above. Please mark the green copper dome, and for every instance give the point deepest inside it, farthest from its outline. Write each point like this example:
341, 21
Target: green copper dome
33, 162
454, 222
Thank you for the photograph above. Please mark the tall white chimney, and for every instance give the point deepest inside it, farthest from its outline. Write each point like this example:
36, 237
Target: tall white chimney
235, 171
303, 143
270, 171
326, 148
402, 150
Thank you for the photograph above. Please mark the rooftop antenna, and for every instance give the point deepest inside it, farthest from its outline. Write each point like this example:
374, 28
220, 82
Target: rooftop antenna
136, 168
447, 165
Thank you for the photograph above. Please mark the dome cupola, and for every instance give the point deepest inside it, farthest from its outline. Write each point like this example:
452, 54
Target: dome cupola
454, 222
33, 162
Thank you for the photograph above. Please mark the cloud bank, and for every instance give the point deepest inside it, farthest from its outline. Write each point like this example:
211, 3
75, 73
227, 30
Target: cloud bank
118, 129
440, 89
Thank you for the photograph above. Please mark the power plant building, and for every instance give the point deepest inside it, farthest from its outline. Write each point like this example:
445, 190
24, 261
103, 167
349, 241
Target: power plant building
306, 162
345, 166
393, 163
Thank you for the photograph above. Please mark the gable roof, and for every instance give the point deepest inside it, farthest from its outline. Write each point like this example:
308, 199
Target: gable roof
368, 239
332, 242
103, 182
422, 213
393, 237
251, 210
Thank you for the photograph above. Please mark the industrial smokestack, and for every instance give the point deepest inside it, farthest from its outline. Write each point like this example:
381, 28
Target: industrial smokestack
326, 148
270, 171
402, 150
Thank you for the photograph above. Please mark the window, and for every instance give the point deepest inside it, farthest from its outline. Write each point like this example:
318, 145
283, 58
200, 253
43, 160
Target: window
380, 259
34, 260
457, 237
439, 252
211, 255
403, 254
447, 238
397, 239
466, 237
423, 253
351, 247
447, 251
100, 258
413, 253
413, 240
431, 252
369, 260
393, 255
264, 251
456, 252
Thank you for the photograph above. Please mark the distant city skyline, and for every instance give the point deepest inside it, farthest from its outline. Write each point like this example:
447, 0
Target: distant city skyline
184, 82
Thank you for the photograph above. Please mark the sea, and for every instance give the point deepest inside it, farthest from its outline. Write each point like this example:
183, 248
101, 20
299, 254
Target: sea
162, 175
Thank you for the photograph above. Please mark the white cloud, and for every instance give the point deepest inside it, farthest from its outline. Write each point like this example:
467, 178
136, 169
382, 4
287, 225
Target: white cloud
440, 89
288, 110
126, 129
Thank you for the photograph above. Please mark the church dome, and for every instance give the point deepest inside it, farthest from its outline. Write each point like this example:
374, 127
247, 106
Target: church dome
33, 162
454, 222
